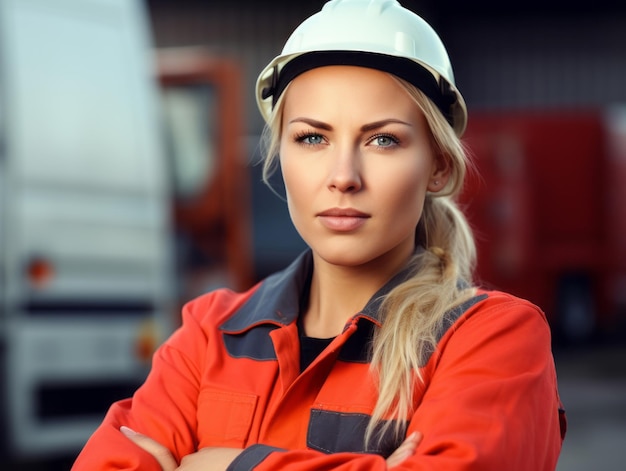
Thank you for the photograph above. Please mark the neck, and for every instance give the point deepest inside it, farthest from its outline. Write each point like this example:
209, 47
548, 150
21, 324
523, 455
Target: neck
338, 292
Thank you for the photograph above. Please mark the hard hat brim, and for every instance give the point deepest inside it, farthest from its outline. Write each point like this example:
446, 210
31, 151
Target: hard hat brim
282, 70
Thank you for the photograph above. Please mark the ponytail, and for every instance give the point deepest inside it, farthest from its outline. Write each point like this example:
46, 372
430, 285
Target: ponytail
413, 313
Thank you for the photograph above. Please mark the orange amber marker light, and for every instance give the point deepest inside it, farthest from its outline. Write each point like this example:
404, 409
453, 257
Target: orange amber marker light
39, 272
146, 342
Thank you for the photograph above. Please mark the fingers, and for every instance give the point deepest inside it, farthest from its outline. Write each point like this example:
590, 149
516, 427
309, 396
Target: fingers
161, 454
405, 450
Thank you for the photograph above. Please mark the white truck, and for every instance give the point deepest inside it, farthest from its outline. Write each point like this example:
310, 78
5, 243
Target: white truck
86, 284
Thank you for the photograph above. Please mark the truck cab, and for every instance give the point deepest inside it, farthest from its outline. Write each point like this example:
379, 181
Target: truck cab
86, 285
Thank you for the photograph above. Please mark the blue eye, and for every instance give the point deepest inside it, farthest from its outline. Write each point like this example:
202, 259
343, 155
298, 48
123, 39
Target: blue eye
384, 140
309, 138
312, 139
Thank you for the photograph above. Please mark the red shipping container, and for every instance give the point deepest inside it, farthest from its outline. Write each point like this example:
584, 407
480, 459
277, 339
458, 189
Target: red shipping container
616, 214
546, 227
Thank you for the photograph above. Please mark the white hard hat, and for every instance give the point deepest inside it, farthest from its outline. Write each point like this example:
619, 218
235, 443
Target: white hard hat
379, 34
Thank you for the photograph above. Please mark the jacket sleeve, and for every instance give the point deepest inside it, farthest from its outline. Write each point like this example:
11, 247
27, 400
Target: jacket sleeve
163, 408
490, 402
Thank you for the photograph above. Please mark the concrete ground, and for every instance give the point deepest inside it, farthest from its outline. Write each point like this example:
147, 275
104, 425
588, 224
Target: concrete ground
592, 384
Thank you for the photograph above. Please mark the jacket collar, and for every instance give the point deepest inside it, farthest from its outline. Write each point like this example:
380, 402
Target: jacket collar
277, 299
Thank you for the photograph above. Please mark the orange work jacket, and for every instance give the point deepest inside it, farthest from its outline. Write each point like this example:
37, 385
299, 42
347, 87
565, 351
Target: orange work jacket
230, 377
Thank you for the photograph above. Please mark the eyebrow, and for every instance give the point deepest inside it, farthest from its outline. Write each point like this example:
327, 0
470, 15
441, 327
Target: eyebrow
366, 127
312, 122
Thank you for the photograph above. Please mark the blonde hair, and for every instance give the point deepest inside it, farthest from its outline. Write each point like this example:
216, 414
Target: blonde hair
414, 312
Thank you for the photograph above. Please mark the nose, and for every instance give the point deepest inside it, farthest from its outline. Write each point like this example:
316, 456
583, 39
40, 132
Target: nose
345, 173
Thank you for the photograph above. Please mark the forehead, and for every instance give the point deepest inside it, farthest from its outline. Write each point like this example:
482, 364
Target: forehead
347, 88
339, 76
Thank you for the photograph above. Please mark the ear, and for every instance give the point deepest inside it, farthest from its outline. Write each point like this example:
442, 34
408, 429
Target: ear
442, 169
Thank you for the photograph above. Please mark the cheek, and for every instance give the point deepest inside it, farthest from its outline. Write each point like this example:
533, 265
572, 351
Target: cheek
291, 176
302, 175
405, 194
296, 186
407, 183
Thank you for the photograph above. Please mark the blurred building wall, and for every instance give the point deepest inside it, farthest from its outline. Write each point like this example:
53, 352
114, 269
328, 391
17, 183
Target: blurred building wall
528, 54
539, 62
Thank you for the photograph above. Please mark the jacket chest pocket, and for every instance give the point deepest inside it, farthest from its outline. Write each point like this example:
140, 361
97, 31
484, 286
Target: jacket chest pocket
225, 417
336, 432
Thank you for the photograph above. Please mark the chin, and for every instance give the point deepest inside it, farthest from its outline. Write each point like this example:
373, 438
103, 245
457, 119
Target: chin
347, 256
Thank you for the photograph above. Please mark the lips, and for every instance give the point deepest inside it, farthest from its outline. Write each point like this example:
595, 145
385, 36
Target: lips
342, 219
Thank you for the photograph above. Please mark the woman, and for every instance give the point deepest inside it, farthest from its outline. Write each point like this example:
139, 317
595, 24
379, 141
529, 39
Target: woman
373, 350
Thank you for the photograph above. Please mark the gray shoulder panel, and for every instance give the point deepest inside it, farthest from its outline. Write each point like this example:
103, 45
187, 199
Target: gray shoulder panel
449, 319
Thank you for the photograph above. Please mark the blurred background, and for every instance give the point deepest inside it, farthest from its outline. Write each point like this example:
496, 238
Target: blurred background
129, 143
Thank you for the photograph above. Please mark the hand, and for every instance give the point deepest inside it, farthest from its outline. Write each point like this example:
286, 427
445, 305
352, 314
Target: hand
218, 459
405, 450
205, 459
162, 454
